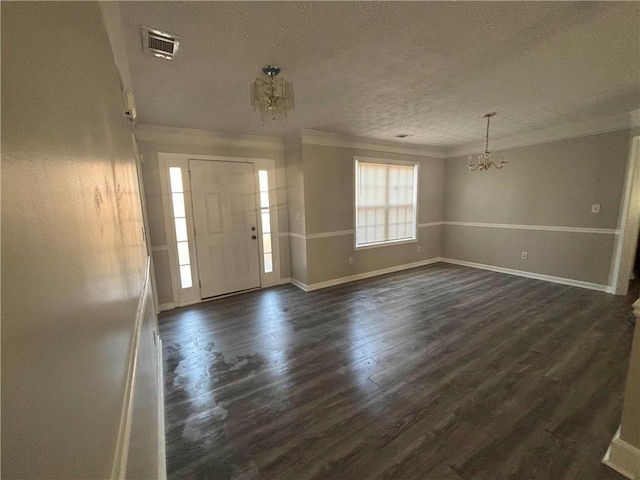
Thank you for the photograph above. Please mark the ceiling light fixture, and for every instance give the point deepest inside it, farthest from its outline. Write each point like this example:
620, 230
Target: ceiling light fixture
273, 98
484, 159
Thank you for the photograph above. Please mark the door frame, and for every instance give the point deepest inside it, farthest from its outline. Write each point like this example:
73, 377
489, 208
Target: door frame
192, 295
628, 224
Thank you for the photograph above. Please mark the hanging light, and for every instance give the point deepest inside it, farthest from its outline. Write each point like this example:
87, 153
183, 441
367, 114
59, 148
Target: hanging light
273, 98
484, 159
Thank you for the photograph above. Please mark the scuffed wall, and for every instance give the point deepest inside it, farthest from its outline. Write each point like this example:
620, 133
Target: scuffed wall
73, 254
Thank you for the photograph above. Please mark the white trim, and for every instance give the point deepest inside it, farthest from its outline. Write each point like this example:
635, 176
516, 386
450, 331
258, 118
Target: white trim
165, 162
317, 137
161, 134
357, 159
546, 228
167, 306
297, 235
629, 222
192, 295
362, 276
162, 441
430, 224
160, 248
339, 233
535, 276
386, 243
299, 284
592, 126
171, 305
121, 457
623, 457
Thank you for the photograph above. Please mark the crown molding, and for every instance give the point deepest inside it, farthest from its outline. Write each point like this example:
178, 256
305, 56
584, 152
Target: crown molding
160, 134
328, 139
593, 126
292, 140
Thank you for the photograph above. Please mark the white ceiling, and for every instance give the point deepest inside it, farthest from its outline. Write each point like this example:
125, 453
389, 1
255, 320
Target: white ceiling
429, 69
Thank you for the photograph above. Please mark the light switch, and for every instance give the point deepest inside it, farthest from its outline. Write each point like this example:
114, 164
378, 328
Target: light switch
595, 208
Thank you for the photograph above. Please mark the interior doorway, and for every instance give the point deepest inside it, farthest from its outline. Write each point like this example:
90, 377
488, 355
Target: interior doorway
629, 223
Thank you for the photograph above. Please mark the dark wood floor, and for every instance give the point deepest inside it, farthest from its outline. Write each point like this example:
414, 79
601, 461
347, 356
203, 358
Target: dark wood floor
441, 372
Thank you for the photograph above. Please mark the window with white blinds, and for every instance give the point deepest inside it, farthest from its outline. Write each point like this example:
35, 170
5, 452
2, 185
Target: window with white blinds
386, 201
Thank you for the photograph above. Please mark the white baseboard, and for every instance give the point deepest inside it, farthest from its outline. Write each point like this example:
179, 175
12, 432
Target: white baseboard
362, 276
623, 458
167, 306
536, 276
162, 442
299, 284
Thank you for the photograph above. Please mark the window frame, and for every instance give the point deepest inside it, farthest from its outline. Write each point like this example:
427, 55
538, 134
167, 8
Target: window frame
416, 179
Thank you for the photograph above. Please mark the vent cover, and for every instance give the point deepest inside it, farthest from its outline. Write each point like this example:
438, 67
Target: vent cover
160, 44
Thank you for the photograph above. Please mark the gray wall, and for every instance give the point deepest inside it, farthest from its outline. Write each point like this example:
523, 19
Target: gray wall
193, 144
550, 184
297, 212
73, 256
328, 197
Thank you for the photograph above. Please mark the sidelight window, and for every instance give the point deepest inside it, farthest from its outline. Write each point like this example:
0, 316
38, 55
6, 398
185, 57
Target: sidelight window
180, 223
265, 218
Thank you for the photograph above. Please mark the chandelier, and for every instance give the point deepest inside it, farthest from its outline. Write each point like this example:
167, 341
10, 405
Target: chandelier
484, 159
273, 98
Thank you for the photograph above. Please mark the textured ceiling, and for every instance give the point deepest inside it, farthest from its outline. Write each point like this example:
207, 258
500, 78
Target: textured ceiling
370, 69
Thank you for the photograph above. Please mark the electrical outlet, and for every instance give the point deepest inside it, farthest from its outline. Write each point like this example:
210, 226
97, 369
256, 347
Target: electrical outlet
595, 208
524, 256
350, 260
419, 249
298, 216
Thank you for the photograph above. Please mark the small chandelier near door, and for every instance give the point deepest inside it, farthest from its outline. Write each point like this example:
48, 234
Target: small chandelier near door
484, 159
273, 98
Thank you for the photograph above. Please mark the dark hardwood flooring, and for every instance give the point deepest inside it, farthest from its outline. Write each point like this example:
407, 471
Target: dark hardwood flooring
441, 372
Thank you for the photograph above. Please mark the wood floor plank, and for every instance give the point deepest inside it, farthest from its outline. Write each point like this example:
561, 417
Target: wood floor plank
440, 372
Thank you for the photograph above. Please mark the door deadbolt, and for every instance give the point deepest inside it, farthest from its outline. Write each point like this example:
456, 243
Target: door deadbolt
253, 229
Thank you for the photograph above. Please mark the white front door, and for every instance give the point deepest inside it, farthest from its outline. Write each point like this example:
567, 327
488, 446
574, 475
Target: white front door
224, 210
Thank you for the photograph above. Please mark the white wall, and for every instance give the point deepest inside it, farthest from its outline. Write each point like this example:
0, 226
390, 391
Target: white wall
73, 256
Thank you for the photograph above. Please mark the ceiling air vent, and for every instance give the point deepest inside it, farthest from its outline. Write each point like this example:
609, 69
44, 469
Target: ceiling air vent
159, 44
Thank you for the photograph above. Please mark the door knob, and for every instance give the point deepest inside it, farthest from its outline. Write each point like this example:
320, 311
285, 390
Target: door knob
253, 237
253, 229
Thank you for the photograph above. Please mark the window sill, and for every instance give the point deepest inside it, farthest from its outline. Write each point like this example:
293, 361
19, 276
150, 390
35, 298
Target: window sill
386, 244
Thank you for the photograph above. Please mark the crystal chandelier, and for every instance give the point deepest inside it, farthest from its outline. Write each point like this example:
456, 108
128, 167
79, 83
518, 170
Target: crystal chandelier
273, 98
484, 159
